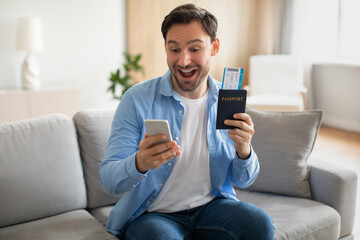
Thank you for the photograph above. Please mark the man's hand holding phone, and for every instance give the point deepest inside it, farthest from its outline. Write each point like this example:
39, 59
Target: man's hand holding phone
157, 147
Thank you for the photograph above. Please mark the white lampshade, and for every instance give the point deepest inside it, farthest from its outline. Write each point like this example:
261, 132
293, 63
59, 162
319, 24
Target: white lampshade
29, 34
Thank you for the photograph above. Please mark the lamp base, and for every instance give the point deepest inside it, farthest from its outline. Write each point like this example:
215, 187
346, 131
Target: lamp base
30, 73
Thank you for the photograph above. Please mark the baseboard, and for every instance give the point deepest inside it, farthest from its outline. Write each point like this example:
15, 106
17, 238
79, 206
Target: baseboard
341, 124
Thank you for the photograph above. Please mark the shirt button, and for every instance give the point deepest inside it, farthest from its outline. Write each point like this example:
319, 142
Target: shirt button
180, 111
148, 202
177, 138
169, 163
161, 184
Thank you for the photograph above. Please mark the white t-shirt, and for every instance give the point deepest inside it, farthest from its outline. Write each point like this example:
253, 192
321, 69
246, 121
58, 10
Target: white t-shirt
189, 183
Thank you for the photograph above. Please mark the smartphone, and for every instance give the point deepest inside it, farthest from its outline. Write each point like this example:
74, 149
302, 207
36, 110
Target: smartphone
158, 126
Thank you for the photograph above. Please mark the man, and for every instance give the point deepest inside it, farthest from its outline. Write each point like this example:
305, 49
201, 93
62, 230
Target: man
182, 189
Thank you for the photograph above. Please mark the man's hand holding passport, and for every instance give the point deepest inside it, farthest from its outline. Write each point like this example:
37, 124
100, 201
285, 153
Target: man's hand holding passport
232, 99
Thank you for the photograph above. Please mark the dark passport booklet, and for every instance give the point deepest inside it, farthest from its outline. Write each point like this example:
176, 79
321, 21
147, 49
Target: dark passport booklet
230, 102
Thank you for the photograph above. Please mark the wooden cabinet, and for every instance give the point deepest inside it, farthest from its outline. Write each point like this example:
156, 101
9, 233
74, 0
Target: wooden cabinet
21, 104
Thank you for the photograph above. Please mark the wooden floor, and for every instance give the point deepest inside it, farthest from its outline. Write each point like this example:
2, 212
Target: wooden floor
341, 148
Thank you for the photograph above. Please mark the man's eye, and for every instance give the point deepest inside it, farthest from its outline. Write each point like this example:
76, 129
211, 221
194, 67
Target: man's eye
195, 49
175, 50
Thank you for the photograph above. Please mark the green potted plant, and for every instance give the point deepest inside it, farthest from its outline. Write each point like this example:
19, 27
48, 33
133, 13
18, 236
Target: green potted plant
125, 80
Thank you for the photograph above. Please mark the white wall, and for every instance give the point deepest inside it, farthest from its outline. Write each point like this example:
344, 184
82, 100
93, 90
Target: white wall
83, 41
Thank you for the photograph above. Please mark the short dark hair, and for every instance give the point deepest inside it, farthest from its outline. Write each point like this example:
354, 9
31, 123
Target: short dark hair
187, 13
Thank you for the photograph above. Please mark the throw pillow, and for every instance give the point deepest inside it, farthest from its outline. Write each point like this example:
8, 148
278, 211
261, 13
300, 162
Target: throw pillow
283, 142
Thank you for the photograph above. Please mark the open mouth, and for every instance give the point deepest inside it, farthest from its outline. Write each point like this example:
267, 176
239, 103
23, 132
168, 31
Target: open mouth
187, 73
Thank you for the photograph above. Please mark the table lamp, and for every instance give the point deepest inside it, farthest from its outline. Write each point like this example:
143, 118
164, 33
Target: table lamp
29, 39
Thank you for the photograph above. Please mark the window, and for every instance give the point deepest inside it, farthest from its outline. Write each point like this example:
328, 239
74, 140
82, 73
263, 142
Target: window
349, 25
326, 28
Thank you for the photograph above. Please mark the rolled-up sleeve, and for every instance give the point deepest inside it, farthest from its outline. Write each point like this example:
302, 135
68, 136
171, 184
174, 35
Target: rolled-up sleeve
118, 171
244, 172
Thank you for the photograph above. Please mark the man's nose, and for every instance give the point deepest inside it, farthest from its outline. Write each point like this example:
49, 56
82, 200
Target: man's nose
185, 59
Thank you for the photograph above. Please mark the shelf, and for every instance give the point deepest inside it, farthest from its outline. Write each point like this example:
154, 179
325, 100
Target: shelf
22, 104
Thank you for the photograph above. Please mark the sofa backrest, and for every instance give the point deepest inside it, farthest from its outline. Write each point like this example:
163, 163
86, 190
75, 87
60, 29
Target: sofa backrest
40, 169
93, 127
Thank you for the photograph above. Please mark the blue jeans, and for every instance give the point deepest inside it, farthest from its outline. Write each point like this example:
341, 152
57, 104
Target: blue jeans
220, 219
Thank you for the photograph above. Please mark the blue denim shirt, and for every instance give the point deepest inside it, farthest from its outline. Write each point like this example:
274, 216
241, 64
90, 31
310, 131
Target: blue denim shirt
156, 99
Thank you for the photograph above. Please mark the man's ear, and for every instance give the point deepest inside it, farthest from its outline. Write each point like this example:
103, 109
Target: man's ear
215, 47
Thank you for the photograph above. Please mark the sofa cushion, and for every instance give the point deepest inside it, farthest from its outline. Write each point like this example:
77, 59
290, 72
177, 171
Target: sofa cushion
102, 213
283, 142
296, 218
40, 169
78, 224
93, 128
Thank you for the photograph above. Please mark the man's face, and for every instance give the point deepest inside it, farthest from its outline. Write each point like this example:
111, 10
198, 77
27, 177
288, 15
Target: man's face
189, 50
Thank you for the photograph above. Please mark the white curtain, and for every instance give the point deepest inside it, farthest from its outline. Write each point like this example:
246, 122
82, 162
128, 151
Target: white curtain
284, 11
309, 30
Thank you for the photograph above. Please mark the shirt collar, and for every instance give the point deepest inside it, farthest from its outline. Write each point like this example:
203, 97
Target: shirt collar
166, 87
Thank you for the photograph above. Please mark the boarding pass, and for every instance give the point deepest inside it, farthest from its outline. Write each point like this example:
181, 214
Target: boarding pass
232, 78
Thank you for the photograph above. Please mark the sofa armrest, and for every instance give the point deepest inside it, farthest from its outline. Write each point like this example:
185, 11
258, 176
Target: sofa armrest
336, 187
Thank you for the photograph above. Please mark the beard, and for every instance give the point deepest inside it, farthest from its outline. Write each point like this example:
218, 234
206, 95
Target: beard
189, 86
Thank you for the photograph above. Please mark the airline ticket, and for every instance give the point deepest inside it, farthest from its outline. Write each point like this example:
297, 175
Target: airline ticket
232, 78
